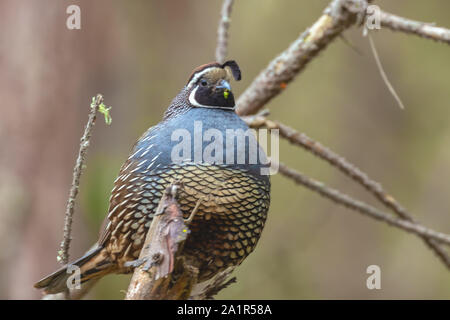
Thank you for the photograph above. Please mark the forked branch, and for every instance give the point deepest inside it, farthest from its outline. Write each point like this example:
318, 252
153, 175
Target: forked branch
337, 17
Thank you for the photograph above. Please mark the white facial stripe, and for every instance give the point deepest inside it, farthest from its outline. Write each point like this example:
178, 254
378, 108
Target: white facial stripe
198, 75
196, 104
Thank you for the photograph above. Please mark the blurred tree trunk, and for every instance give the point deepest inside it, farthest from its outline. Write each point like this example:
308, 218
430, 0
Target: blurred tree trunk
45, 70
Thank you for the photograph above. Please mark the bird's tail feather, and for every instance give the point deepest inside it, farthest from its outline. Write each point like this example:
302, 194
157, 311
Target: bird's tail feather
94, 264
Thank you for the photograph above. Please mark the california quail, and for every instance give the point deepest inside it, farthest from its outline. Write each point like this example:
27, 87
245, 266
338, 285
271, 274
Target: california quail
234, 194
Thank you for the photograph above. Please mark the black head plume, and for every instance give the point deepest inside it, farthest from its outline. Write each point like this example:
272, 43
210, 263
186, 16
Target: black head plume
235, 70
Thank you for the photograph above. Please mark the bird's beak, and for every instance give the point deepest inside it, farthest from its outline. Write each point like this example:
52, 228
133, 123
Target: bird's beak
224, 84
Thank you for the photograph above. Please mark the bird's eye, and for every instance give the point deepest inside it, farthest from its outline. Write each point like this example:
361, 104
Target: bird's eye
204, 83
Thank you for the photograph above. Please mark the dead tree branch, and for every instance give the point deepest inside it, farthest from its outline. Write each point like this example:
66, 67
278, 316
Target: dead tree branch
349, 169
160, 256
63, 253
337, 17
421, 29
161, 272
362, 207
222, 31
316, 148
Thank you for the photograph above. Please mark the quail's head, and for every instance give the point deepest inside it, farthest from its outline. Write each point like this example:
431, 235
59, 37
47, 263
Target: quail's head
209, 85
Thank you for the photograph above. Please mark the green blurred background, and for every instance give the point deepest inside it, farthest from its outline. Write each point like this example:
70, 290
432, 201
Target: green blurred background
140, 53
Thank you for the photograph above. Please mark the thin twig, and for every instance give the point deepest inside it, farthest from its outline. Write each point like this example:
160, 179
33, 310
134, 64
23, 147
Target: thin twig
222, 31
362, 207
421, 29
337, 17
383, 74
344, 166
63, 253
